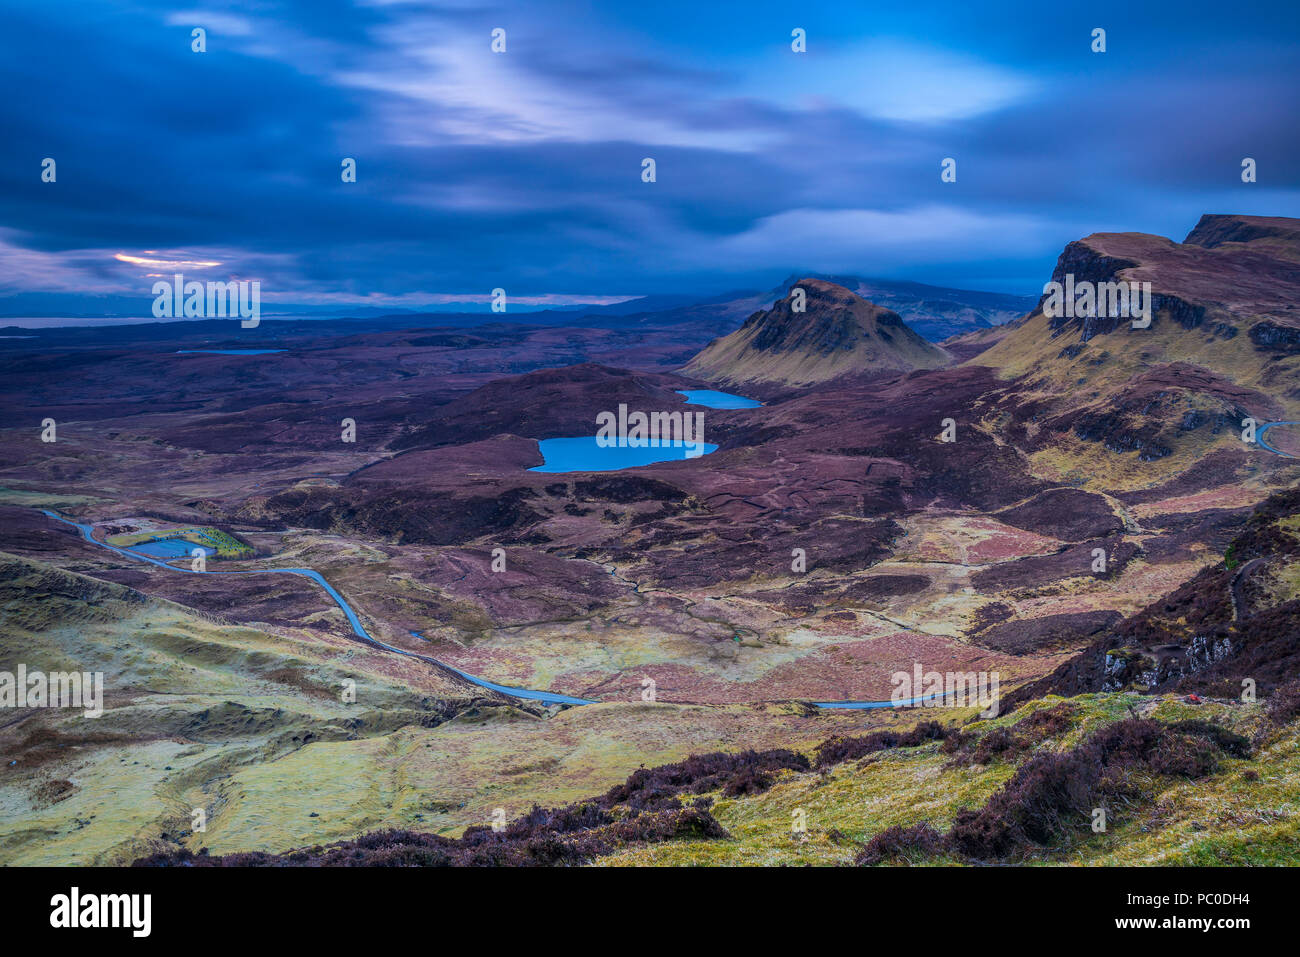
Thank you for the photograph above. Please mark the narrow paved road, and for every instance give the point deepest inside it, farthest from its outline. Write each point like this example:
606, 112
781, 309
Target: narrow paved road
871, 705
366, 638
1238, 599
1259, 437
358, 629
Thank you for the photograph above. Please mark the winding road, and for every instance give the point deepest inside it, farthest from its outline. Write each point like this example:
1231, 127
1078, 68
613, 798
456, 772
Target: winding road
358, 629
1259, 437
871, 705
545, 696
1235, 595
525, 694
365, 637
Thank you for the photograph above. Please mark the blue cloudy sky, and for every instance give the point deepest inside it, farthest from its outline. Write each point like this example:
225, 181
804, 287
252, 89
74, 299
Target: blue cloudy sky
523, 170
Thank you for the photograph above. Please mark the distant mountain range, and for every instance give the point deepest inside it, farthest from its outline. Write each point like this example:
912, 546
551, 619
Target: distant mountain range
933, 311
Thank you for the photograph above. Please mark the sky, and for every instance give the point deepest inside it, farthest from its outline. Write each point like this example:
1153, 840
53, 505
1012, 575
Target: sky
522, 169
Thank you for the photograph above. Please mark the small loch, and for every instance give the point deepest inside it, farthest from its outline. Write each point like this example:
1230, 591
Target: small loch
227, 352
170, 548
712, 399
584, 454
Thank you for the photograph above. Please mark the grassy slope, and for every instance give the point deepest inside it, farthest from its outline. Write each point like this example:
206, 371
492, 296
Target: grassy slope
1221, 819
441, 780
249, 725
1101, 370
217, 716
187, 702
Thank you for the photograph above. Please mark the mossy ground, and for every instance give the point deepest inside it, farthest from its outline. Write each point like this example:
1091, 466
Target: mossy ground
248, 724
1225, 818
32, 498
225, 544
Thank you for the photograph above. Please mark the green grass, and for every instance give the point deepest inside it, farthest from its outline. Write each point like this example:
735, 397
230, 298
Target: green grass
249, 725
226, 545
1218, 820
37, 499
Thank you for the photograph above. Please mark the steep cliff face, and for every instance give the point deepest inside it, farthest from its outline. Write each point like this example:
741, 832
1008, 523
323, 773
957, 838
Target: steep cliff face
1217, 229
1231, 275
837, 334
1222, 343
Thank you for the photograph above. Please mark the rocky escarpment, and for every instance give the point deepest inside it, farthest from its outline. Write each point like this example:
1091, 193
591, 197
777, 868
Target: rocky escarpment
1085, 261
1217, 229
1269, 335
1222, 343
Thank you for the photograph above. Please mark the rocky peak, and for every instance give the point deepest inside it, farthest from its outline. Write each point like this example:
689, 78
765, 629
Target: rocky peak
837, 333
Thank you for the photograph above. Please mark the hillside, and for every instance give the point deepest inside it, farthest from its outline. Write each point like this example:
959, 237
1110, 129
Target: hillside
1180, 783
197, 711
838, 335
831, 540
933, 312
1223, 344
1236, 620
1183, 779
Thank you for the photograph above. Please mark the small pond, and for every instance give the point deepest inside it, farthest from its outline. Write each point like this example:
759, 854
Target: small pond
584, 454
717, 400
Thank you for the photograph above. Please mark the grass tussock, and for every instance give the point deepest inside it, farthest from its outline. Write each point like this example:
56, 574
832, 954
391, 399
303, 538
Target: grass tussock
840, 749
1055, 793
993, 791
654, 805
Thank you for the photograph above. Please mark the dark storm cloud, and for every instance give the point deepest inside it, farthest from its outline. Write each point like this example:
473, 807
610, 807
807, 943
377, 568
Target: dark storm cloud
523, 170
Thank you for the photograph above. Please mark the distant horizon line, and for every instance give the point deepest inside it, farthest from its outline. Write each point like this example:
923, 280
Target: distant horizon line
479, 306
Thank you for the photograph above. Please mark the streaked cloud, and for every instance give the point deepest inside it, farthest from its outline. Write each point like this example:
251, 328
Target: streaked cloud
900, 80
166, 263
845, 239
522, 170
212, 20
